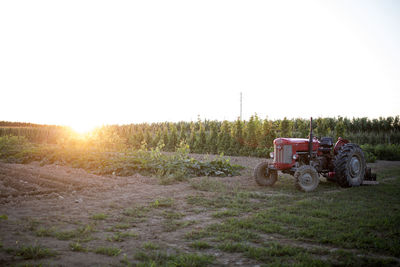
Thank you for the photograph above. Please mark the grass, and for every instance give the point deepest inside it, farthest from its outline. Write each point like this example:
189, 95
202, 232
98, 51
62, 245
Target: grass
207, 184
173, 225
225, 213
82, 233
150, 246
172, 215
178, 259
122, 226
228, 231
364, 218
77, 247
118, 227
276, 254
99, 216
233, 202
45, 232
196, 234
200, 245
121, 236
32, 252
368, 217
137, 212
163, 203
3, 217
30, 224
108, 251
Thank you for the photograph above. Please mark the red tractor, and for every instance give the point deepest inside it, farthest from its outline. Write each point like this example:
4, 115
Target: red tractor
306, 159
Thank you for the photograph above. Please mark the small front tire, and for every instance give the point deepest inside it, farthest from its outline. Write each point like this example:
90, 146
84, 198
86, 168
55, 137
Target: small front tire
265, 176
307, 178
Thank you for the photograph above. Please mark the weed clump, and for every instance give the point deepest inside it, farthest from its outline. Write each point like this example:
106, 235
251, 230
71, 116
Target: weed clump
180, 259
108, 251
32, 252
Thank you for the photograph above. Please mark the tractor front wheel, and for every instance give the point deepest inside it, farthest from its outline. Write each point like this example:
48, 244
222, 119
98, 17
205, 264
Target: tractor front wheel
265, 176
307, 178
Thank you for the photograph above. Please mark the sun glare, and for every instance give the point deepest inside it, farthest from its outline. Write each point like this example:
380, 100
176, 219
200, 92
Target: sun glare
83, 127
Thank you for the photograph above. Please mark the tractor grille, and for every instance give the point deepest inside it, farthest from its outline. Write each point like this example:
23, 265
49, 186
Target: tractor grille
283, 154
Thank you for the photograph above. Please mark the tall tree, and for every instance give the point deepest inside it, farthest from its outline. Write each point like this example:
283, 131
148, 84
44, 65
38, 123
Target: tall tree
201, 141
173, 137
237, 136
192, 137
224, 138
340, 129
182, 133
285, 128
251, 130
268, 134
212, 142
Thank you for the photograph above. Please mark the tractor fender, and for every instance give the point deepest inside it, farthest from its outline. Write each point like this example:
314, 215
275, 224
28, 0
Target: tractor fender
340, 142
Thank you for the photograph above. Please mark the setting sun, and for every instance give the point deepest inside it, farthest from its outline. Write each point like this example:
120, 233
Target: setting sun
83, 127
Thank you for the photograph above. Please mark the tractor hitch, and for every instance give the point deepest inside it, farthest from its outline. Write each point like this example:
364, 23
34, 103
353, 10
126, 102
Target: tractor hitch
369, 175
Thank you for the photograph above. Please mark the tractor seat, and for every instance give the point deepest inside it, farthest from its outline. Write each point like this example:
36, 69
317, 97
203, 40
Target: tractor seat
326, 142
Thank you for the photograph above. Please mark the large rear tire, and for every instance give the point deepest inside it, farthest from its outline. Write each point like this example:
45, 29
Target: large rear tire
350, 166
307, 178
265, 176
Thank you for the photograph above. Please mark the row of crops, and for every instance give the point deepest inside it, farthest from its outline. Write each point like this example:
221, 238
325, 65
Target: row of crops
245, 138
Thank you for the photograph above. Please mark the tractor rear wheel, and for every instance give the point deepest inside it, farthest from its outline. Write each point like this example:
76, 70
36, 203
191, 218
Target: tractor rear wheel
350, 166
307, 178
265, 176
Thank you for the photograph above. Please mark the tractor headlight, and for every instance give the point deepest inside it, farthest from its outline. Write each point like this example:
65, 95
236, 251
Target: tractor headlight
271, 155
295, 156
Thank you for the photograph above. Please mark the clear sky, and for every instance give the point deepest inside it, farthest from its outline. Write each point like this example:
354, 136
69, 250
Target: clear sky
84, 63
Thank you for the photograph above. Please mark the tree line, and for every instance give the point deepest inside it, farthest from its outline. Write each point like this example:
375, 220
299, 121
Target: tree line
255, 136
252, 137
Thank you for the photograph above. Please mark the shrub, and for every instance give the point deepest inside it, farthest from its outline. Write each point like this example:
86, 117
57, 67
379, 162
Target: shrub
176, 166
381, 152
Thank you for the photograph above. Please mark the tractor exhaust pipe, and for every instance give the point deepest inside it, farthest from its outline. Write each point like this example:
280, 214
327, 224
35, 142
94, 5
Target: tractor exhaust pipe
310, 142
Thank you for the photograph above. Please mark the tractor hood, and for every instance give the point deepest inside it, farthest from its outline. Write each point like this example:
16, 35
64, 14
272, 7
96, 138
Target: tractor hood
300, 144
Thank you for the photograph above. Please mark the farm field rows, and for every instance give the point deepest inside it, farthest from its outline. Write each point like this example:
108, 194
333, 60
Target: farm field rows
58, 215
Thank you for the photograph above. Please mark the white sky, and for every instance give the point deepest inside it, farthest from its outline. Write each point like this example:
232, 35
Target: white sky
84, 63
